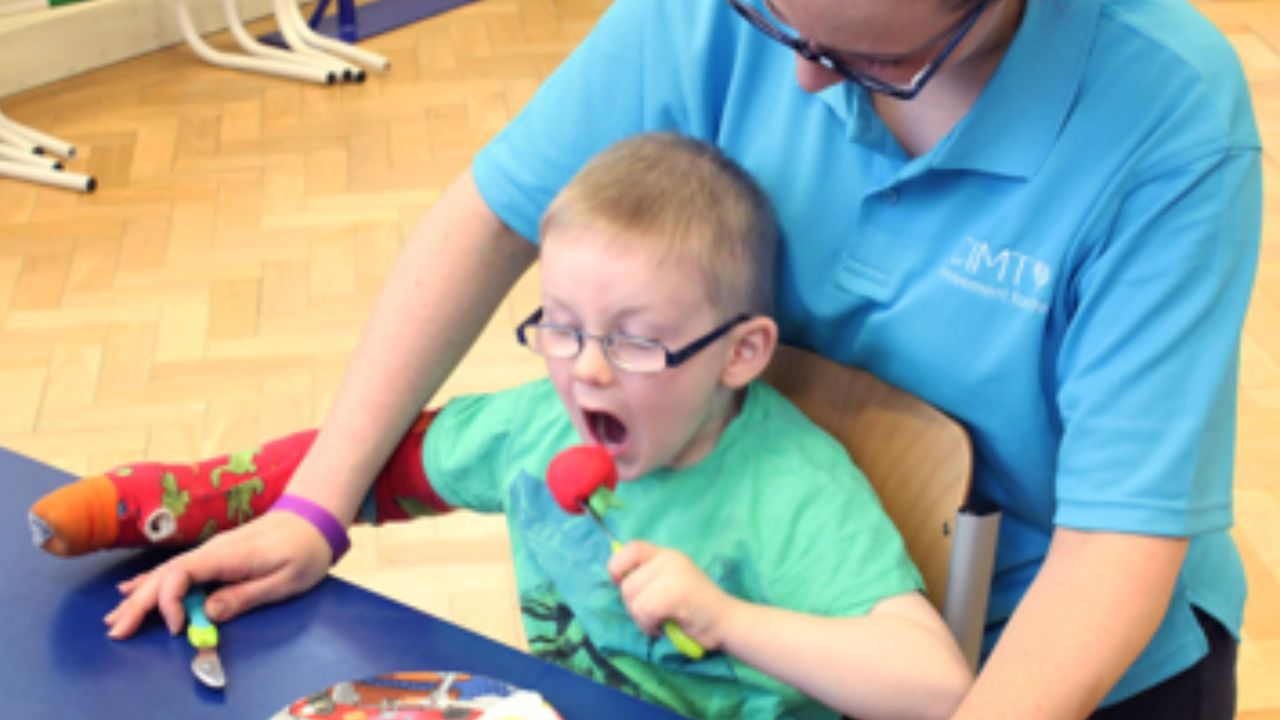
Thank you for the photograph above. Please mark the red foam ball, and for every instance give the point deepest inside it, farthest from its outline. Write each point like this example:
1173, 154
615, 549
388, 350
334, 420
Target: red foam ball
578, 472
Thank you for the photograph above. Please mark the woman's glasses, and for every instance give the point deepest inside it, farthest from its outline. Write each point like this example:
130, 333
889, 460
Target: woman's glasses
805, 49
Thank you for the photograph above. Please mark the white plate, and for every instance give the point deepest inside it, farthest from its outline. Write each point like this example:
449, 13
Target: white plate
421, 696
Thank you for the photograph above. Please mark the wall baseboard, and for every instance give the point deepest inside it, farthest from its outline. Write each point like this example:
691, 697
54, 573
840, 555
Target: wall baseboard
44, 46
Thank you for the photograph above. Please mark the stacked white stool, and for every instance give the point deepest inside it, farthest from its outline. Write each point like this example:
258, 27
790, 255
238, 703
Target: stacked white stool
311, 57
25, 155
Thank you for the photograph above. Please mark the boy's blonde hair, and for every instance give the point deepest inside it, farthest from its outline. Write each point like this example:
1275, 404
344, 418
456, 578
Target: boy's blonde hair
687, 201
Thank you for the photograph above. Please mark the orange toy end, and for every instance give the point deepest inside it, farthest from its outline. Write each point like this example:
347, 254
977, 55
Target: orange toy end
76, 519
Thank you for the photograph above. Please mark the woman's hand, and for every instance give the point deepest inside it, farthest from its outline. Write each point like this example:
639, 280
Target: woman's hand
272, 558
660, 584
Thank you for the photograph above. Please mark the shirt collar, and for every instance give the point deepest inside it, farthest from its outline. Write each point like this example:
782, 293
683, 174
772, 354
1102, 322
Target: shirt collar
1017, 119
852, 105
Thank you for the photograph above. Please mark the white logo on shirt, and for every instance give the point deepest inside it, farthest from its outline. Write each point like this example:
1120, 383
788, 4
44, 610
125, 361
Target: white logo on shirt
1006, 276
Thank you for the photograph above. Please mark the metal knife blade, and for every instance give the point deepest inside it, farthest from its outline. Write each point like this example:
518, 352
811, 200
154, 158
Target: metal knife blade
600, 524
208, 667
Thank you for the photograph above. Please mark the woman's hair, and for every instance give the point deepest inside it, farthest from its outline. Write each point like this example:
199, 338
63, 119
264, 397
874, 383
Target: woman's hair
685, 200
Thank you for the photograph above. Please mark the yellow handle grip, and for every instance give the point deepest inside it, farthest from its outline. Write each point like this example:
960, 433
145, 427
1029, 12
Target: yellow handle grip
685, 644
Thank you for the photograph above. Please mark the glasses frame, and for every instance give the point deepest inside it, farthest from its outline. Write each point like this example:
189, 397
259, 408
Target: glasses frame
674, 358
801, 47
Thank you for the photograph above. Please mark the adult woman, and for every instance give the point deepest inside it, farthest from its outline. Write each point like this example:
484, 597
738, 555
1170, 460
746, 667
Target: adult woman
1039, 215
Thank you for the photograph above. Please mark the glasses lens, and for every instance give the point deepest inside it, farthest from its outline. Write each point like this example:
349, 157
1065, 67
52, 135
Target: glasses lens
897, 81
553, 341
637, 355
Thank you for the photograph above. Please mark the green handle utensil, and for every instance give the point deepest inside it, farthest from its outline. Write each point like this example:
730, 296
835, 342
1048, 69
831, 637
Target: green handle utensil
685, 644
203, 636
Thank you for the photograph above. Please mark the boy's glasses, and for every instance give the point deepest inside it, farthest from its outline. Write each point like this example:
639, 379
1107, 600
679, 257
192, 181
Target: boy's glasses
624, 352
805, 49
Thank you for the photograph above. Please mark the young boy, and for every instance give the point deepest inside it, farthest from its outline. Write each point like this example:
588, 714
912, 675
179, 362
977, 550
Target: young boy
761, 539
748, 526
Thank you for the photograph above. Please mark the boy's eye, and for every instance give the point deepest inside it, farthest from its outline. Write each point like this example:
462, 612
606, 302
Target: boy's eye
632, 332
638, 355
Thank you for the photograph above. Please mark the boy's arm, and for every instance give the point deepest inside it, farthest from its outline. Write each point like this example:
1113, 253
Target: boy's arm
453, 272
898, 661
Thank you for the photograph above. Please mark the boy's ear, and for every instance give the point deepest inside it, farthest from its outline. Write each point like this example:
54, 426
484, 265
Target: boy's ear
753, 344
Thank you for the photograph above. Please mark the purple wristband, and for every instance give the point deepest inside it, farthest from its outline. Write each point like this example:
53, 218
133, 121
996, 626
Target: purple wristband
321, 519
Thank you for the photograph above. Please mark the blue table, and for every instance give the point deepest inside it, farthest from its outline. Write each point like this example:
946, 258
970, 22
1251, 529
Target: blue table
57, 662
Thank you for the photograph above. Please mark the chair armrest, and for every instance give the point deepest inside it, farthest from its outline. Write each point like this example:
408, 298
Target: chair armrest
973, 555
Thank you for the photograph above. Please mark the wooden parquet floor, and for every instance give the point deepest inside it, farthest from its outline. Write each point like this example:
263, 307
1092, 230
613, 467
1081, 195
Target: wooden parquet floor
208, 296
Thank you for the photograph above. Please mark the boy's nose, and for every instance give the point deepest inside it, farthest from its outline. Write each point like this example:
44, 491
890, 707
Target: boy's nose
592, 367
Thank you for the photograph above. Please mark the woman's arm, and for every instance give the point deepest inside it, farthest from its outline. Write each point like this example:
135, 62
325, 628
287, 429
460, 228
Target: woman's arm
455, 269
1092, 609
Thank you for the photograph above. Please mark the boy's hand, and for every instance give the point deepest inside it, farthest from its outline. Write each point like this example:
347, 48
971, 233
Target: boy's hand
272, 558
660, 584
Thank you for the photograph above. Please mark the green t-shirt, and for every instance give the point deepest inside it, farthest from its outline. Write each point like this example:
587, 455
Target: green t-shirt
776, 514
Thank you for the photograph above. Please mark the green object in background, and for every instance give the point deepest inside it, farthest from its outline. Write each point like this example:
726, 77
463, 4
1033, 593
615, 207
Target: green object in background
15, 7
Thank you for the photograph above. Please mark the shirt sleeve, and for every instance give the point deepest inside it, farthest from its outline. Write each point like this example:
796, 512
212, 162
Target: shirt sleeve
644, 67
1148, 367
472, 454
828, 547
843, 556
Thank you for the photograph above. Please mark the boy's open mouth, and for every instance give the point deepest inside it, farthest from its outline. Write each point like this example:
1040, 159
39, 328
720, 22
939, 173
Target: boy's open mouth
607, 430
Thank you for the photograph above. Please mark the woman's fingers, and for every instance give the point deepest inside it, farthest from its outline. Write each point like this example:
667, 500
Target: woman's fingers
128, 615
128, 586
275, 557
233, 600
297, 559
173, 586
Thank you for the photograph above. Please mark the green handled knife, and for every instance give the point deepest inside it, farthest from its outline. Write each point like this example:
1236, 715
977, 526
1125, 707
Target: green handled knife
204, 638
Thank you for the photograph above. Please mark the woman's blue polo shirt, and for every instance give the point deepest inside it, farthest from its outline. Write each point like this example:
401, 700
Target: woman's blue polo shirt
1066, 272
